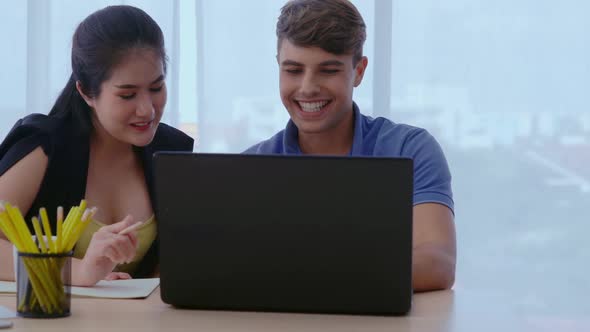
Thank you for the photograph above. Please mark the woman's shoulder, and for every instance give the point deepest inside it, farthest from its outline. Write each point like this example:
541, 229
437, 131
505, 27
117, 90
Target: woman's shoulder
32, 124
26, 135
171, 139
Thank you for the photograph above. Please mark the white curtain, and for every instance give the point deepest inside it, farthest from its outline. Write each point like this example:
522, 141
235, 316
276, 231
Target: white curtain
503, 85
36, 53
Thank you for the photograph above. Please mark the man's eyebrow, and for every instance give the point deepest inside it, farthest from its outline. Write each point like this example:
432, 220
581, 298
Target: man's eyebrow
332, 63
322, 64
291, 63
131, 86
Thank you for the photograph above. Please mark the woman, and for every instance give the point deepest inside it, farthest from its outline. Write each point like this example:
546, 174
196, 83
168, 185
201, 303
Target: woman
96, 144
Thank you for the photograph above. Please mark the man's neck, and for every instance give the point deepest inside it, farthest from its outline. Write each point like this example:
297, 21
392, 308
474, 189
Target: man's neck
337, 141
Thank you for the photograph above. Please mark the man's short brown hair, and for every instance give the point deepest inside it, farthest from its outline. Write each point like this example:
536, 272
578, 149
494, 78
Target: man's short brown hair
335, 26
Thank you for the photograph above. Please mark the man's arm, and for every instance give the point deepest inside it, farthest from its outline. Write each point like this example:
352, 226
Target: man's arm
434, 247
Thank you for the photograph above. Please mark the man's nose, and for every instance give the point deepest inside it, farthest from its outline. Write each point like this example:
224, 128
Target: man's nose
309, 85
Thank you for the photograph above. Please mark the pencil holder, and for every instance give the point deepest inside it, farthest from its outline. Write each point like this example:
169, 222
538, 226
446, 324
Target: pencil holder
44, 284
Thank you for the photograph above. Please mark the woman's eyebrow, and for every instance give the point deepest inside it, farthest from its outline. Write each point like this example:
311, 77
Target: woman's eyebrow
131, 86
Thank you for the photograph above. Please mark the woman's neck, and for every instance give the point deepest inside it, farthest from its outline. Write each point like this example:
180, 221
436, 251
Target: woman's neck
106, 148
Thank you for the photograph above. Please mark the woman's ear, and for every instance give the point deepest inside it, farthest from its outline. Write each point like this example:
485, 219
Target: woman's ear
88, 100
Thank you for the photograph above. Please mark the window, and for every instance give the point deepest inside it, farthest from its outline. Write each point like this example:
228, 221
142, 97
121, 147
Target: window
501, 85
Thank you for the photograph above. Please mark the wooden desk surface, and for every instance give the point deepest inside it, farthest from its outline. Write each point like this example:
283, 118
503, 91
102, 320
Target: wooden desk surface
456, 310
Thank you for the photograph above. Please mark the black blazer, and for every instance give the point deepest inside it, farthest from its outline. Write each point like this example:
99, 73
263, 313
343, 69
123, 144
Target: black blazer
67, 149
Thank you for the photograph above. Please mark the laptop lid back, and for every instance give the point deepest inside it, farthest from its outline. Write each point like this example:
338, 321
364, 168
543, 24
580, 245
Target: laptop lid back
285, 233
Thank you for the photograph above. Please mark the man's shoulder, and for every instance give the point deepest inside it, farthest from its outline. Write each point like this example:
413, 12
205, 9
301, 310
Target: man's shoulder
389, 134
388, 128
432, 177
272, 145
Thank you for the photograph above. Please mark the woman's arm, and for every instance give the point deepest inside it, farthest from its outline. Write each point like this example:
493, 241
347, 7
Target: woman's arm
19, 186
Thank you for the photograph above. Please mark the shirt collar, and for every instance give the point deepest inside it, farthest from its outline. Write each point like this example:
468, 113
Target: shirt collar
357, 138
291, 139
291, 136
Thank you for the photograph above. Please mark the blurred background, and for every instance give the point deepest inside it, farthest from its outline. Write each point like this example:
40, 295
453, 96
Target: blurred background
503, 85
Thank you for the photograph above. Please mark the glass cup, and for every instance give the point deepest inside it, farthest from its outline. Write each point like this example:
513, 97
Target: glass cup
43, 287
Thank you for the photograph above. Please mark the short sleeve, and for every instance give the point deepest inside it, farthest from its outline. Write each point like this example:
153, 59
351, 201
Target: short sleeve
24, 137
432, 177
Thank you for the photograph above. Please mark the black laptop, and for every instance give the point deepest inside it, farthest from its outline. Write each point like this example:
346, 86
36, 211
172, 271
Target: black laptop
285, 233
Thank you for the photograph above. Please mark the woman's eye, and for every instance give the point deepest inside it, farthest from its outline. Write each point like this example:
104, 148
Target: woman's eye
128, 96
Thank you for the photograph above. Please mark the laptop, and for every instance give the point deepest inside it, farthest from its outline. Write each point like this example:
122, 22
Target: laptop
285, 233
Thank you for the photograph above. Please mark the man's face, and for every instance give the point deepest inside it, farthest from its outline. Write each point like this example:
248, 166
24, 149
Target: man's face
316, 87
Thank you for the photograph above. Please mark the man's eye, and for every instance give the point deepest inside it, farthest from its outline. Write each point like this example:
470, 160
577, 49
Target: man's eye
158, 89
293, 71
330, 71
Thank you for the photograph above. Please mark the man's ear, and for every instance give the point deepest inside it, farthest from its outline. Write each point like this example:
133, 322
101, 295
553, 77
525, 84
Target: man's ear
88, 100
359, 70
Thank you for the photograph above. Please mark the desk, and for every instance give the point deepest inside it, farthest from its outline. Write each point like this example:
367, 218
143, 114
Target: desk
456, 310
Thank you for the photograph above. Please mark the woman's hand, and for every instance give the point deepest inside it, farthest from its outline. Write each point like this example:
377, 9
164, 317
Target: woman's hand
118, 276
107, 249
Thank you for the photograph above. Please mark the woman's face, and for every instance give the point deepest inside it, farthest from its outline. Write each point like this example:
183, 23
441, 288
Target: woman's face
132, 100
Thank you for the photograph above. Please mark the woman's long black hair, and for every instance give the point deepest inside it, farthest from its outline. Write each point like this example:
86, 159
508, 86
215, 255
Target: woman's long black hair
99, 43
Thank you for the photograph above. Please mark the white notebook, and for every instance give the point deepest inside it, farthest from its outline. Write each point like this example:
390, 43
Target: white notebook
115, 289
6, 313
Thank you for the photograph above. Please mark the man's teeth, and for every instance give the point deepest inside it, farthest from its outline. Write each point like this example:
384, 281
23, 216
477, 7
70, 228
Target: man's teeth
313, 107
141, 124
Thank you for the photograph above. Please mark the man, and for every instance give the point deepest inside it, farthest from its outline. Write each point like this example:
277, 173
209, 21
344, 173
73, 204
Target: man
320, 55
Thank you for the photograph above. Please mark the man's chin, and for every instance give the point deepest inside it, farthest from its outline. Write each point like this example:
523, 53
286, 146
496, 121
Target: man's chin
310, 128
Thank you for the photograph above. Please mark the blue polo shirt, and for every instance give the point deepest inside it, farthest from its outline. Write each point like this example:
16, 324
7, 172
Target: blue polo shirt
384, 138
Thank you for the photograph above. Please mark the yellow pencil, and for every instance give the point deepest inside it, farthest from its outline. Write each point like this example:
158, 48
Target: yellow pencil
47, 228
58, 230
67, 226
22, 230
39, 235
79, 228
4, 225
